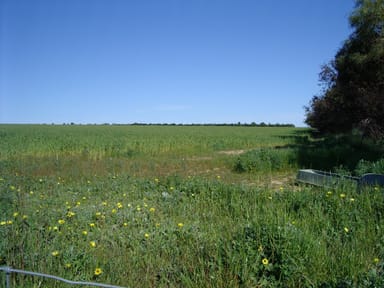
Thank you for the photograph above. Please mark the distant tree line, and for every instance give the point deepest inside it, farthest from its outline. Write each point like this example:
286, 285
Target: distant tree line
352, 97
253, 124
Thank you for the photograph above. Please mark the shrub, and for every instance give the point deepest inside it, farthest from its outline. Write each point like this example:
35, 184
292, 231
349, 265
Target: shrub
365, 166
264, 160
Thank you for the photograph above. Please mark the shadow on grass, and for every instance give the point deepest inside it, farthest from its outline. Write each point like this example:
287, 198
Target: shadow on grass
328, 153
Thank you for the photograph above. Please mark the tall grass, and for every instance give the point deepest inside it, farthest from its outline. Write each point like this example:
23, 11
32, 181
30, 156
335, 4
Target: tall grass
191, 233
141, 220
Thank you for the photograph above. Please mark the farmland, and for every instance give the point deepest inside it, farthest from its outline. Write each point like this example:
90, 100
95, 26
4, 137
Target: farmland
185, 206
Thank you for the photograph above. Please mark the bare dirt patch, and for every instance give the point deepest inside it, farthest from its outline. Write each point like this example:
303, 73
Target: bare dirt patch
232, 152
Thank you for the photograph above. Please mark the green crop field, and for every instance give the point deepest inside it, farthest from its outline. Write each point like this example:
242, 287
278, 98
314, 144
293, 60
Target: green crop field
186, 206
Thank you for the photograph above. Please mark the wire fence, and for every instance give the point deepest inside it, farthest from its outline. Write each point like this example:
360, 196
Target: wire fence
8, 271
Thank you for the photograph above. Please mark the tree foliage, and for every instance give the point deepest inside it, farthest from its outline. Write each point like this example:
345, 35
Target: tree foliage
353, 82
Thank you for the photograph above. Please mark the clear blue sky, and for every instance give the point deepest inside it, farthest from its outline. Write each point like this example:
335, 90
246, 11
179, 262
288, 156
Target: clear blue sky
165, 61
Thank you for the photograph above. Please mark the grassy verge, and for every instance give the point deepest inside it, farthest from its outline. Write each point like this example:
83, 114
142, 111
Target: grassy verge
191, 233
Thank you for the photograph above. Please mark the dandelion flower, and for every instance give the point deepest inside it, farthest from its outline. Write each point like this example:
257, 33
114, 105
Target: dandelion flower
180, 225
92, 244
265, 261
152, 209
342, 195
84, 232
61, 221
346, 230
98, 271
55, 253
70, 214
15, 214
68, 265
119, 205
91, 224
376, 260
146, 235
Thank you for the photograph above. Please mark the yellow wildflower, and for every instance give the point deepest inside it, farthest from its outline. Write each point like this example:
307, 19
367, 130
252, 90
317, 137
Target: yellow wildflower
92, 244
55, 253
98, 271
70, 214
265, 261
180, 225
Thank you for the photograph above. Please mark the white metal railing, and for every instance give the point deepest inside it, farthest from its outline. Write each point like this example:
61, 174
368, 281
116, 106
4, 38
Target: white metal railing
8, 271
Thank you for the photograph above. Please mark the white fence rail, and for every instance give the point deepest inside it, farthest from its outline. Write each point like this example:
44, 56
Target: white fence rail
8, 271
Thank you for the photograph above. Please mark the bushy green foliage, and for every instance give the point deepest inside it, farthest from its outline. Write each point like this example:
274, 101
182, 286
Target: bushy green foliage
365, 166
353, 82
265, 160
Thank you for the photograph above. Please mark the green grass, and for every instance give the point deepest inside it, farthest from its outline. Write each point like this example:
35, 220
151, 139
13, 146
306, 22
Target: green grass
154, 219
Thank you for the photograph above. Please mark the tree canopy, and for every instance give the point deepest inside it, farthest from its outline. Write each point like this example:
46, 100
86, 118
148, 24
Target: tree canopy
352, 93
